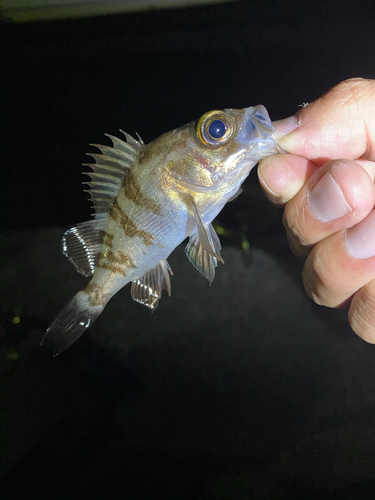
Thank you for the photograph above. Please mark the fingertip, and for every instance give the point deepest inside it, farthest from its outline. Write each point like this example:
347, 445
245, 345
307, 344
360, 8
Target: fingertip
338, 124
266, 180
282, 176
285, 126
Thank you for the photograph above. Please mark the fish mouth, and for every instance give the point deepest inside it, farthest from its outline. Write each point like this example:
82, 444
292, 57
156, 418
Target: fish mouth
257, 132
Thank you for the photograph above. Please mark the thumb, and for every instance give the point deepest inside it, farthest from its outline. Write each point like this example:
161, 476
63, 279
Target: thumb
340, 124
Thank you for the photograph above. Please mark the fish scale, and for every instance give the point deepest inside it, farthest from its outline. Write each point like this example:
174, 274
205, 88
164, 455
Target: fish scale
147, 200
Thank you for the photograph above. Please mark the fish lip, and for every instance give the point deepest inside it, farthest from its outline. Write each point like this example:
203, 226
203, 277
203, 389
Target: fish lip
256, 133
256, 125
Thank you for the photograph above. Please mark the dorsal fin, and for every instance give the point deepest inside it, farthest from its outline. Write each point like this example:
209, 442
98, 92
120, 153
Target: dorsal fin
81, 244
109, 171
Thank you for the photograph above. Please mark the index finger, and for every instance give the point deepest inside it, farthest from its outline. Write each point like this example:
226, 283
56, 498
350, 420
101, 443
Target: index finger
340, 124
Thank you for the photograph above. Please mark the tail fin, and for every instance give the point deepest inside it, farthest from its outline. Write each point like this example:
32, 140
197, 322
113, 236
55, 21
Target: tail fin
71, 323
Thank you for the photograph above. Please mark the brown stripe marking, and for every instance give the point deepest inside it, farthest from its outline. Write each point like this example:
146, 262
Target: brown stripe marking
121, 258
111, 257
113, 268
118, 263
128, 226
95, 298
132, 191
126, 260
108, 240
91, 288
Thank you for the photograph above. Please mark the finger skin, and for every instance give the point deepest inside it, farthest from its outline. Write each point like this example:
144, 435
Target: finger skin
340, 124
282, 176
362, 312
305, 228
331, 276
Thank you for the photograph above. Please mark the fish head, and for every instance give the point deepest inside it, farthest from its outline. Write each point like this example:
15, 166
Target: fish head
217, 152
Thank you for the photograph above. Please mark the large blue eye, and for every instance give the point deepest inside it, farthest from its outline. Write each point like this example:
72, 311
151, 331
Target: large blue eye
217, 129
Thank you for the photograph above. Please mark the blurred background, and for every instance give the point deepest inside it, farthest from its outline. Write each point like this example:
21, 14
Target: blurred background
242, 390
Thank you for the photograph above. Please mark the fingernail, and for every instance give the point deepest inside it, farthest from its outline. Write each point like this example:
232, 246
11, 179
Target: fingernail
285, 126
360, 239
326, 201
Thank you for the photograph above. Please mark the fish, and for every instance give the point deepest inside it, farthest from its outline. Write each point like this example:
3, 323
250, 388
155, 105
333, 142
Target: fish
149, 198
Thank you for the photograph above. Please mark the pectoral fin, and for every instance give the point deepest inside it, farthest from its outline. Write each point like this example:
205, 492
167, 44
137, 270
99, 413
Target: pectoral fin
203, 249
205, 233
204, 261
147, 289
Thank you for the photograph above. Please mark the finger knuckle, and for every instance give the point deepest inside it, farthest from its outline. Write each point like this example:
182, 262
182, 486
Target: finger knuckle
319, 279
352, 87
294, 221
362, 313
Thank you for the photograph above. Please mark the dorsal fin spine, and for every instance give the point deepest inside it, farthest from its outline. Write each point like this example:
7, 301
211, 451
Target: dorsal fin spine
81, 244
109, 170
103, 169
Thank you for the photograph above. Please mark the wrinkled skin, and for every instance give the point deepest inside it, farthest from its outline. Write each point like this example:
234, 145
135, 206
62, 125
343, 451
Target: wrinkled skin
326, 185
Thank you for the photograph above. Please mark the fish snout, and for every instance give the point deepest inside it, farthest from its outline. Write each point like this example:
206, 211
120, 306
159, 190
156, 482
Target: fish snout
257, 132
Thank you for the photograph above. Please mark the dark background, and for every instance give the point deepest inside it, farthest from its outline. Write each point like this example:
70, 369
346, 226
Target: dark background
239, 391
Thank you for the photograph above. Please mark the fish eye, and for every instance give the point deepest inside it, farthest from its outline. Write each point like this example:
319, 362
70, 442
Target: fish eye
215, 128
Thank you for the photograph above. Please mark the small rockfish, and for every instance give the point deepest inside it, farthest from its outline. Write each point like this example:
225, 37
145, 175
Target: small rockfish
147, 200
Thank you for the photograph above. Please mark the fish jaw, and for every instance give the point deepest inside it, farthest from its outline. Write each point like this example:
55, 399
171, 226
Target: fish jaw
254, 141
257, 134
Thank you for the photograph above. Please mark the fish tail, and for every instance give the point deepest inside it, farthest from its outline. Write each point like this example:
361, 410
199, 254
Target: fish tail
71, 322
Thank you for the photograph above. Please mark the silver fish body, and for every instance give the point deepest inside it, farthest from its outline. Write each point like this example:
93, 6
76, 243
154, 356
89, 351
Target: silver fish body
147, 200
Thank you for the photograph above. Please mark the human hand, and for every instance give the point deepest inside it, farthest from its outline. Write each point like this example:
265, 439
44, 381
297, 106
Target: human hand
328, 201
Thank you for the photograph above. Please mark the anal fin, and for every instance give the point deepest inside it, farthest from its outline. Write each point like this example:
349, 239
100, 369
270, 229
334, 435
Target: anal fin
147, 288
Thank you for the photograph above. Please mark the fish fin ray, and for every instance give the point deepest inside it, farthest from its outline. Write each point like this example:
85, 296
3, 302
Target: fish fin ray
125, 147
205, 233
147, 288
136, 145
81, 244
214, 238
110, 169
204, 261
70, 323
